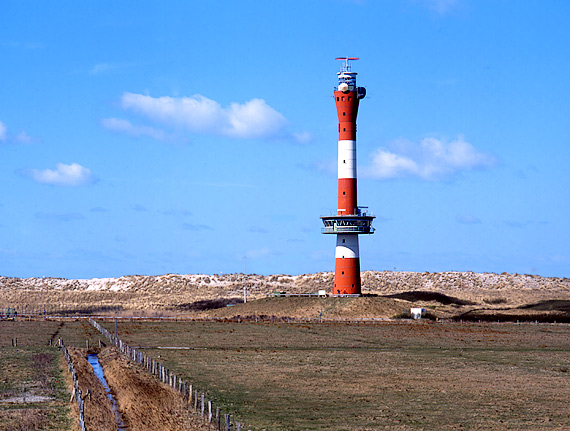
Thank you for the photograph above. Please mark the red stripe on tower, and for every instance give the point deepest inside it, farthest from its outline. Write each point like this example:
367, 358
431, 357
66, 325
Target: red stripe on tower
350, 221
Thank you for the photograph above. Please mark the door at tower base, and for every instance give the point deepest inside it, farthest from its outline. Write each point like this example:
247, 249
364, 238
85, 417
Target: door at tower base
347, 266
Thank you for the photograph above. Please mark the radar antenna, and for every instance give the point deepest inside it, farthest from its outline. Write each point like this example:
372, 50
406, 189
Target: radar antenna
346, 67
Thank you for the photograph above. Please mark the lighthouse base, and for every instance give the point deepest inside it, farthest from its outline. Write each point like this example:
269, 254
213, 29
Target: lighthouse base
347, 277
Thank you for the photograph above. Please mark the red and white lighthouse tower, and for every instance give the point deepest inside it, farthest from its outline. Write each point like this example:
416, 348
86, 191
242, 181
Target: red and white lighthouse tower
351, 220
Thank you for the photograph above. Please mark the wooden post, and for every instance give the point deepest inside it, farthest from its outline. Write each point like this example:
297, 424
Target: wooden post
227, 422
218, 418
87, 344
209, 411
203, 405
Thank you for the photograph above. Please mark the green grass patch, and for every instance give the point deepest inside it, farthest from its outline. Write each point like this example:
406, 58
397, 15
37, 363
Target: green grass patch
33, 394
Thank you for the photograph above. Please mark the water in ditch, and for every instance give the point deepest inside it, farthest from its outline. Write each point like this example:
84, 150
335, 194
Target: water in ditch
94, 361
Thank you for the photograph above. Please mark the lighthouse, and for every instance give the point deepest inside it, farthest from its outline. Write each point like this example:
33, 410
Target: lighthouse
351, 220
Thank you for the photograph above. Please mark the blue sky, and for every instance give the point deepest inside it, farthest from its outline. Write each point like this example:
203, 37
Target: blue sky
143, 137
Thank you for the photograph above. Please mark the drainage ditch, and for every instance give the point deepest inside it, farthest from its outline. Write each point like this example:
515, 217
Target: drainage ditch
98, 370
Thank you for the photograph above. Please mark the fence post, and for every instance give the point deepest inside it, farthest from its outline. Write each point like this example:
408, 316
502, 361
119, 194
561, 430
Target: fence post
160, 371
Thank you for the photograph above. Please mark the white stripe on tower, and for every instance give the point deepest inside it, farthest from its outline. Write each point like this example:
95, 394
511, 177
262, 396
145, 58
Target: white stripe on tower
346, 159
346, 247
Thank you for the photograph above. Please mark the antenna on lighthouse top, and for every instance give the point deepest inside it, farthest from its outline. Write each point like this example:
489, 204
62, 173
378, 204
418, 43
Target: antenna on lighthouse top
346, 67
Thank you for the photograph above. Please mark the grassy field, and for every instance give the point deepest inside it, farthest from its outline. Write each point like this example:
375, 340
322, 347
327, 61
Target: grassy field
388, 376
33, 392
401, 376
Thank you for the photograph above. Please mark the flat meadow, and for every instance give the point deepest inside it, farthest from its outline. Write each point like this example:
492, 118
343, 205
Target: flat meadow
398, 375
34, 392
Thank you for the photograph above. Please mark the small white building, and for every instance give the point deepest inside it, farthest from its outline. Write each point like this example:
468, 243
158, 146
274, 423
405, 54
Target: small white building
416, 313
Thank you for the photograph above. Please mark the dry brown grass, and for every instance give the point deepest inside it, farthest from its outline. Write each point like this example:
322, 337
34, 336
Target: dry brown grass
144, 402
476, 296
402, 376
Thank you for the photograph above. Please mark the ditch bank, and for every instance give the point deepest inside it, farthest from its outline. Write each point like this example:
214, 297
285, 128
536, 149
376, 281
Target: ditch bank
145, 403
98, 413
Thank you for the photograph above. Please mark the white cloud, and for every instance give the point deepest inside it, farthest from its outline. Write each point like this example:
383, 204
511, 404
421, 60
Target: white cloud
196, 227
467, 219
24, 138
63, 175
125, 126
102, 68
431, 159
303, 137
441, 6
21, 138
260, 253
252, 119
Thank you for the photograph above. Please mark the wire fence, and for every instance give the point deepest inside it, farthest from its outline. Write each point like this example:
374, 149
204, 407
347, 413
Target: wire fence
76, 391
192, 396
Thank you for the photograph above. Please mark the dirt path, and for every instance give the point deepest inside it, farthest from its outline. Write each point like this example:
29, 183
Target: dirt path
98, 413
145, 403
